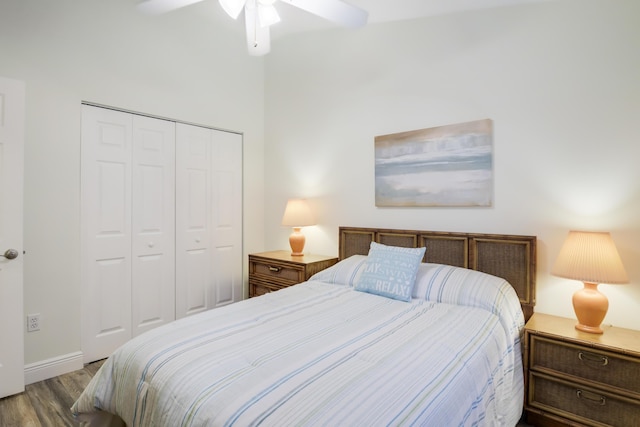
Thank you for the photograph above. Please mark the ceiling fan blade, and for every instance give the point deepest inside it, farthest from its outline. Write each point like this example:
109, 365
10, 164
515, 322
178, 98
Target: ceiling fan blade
156, 7
267, 15
258, 37
335, 11
233, 7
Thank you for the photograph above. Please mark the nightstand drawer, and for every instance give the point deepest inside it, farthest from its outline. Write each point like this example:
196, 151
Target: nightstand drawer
586, 405
607, 368
258, 287
273, 270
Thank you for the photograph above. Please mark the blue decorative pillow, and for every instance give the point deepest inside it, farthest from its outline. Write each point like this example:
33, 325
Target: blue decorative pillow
390, 271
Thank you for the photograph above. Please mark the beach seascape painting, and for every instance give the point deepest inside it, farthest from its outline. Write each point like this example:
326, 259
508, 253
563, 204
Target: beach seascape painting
448, 166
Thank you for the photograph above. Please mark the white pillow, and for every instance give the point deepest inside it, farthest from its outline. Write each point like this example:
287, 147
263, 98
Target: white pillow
346, 272
461, 286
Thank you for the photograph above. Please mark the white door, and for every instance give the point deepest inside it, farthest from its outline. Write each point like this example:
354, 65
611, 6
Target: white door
161, 224
128, 227
226, 209
208, 219
11, 182
193, 219
106, 230
153, 216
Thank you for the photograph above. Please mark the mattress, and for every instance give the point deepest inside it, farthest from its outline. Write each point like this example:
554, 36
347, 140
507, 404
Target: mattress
324, 353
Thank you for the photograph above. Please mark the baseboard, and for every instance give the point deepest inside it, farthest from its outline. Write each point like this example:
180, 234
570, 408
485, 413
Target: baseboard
45, 369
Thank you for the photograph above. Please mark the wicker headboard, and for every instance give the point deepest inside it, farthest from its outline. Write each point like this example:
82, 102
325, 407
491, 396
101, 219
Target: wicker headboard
511, 257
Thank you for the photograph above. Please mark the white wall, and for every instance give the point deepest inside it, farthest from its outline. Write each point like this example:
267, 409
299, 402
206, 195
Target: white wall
559, 79
189, 65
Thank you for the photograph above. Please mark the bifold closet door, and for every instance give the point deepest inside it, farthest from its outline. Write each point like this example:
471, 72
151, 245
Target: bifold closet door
106, 230
208, 219
161, 224
227, 218
128, 226
153, 223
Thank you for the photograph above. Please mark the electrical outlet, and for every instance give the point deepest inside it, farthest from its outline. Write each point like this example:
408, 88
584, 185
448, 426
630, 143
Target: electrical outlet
33, 322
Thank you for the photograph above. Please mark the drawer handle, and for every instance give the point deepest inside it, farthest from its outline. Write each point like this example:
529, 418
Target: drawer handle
275, 269
593, 358
600, 400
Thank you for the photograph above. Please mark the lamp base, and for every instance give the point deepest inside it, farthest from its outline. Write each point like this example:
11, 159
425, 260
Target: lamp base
590, 306
590, 329
296, 241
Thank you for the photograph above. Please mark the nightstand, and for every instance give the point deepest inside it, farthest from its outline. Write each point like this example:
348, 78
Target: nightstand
576, 378
271, 271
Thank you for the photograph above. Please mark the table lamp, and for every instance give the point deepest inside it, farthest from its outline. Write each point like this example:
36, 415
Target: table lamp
297, 214
591, 257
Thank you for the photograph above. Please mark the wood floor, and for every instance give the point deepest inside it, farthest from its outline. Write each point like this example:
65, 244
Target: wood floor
46, 403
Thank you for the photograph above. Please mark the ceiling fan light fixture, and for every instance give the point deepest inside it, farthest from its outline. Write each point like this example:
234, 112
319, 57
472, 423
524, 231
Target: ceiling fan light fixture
232, 7
259, 15
258, 37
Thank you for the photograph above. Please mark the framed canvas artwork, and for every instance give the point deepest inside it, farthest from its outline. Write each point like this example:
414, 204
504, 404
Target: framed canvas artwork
448, 166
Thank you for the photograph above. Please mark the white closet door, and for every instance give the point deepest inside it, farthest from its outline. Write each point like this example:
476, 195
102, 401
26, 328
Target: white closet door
161, 224
106, 230
208, 219
193, 219
153, 222
226, 209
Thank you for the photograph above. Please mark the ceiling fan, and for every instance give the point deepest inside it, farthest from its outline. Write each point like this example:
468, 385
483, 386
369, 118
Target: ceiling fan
259, 15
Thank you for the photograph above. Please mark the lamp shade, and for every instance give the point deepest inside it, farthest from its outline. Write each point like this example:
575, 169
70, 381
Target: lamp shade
298, 214
590, 257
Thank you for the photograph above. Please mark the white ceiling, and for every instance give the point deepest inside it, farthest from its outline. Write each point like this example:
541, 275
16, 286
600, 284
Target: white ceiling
294, 20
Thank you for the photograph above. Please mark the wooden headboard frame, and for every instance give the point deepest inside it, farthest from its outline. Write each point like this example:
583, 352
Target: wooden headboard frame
511, 257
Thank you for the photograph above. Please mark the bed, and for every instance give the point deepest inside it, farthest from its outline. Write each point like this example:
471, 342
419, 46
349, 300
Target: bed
346, 348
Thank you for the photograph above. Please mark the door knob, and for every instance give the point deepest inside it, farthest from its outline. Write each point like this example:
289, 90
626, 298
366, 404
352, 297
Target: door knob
10, 254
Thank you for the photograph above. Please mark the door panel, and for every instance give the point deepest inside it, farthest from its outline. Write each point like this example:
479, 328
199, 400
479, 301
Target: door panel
149, 298
208, 219
12, 113
194, 287
112, 284
226, 209
193, 219
106, 229
153, 221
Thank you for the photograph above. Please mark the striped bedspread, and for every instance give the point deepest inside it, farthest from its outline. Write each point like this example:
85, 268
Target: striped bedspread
322, 354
